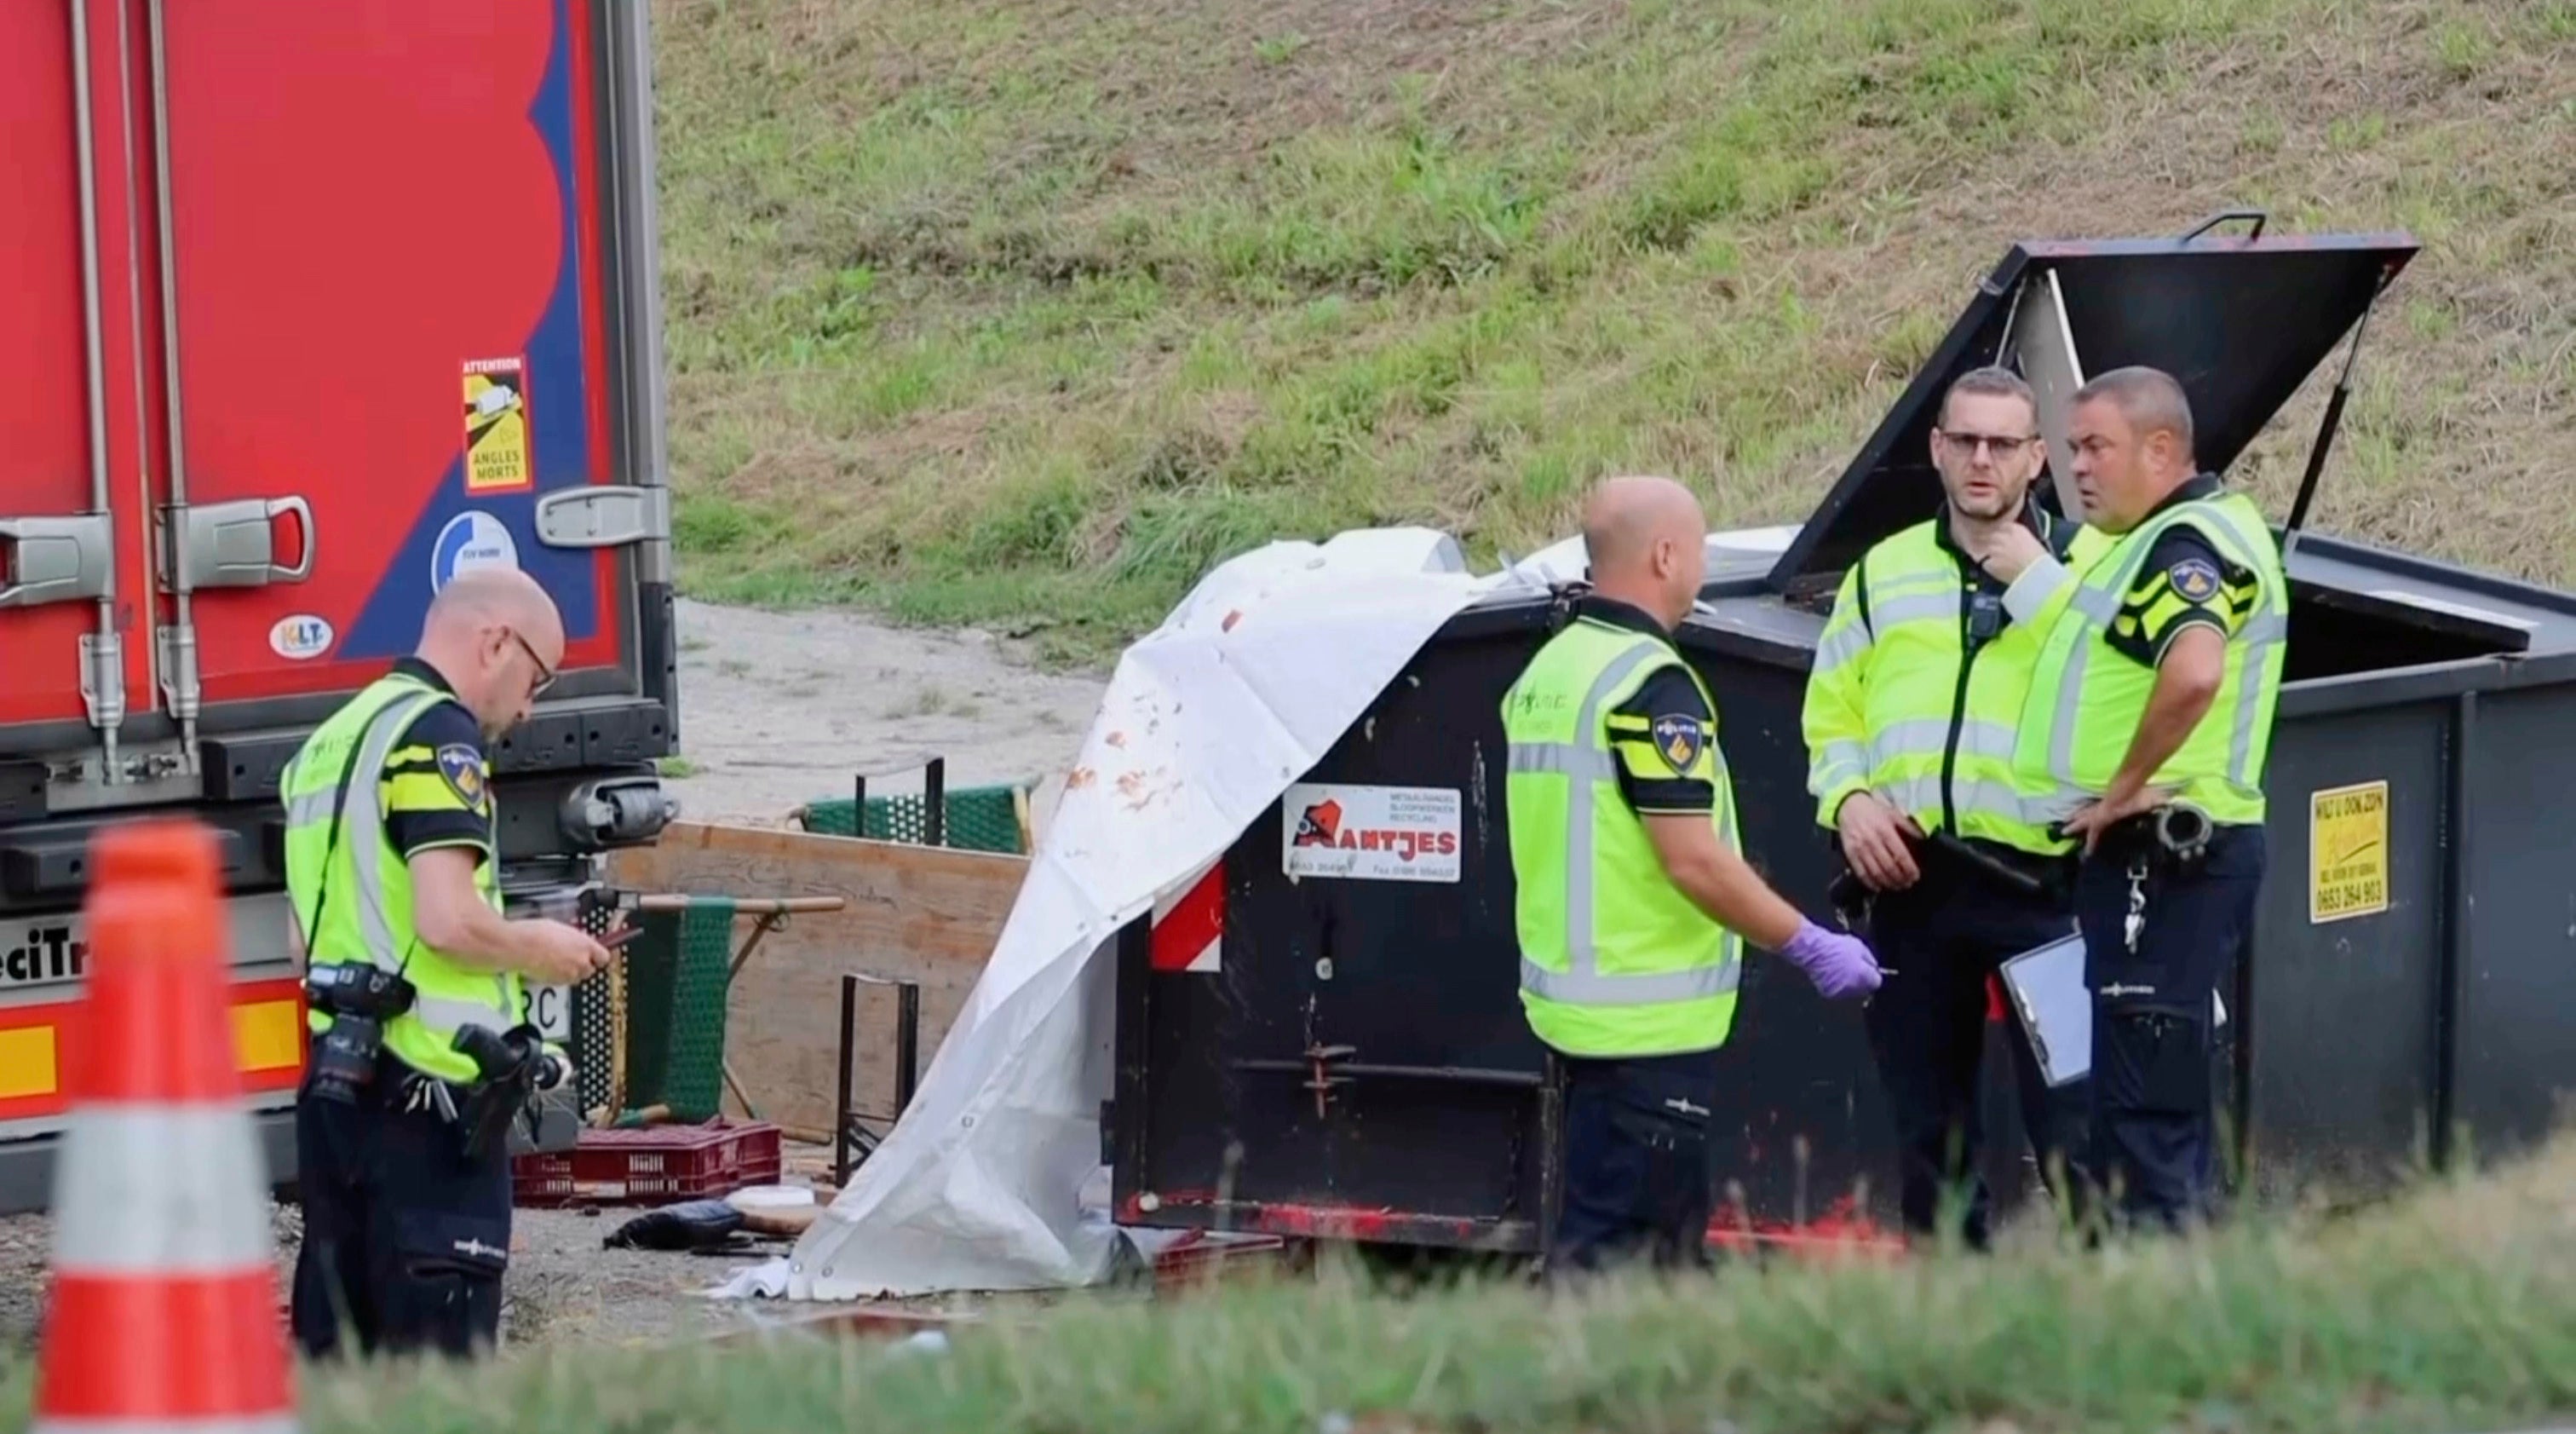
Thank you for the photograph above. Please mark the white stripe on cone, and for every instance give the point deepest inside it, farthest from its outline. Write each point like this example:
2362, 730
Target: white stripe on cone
160, 1190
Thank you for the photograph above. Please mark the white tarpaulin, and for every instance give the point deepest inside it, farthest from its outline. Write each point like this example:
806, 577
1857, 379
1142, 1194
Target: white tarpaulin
992, 1180
1207, 720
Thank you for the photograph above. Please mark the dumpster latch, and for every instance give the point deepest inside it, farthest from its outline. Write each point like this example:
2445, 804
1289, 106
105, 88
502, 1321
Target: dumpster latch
1320, 1078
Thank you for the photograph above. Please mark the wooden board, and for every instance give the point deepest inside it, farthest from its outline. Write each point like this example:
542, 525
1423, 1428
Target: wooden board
915, 913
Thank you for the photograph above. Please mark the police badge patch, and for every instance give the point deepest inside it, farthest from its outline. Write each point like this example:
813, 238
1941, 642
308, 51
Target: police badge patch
1679, 739
2195, 578
462, 766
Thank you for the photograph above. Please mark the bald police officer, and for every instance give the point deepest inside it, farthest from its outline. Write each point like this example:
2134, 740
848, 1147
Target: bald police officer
1633, 900
419, 1013
2151, 712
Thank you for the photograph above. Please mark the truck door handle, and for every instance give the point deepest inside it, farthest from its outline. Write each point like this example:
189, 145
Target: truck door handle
234, 545
50, 560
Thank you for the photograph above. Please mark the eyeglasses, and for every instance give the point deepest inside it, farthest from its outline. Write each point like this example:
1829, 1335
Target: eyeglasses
2003, 444
545, 675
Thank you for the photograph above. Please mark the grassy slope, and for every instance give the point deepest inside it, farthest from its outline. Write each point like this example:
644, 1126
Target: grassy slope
2455, 1310
997, 310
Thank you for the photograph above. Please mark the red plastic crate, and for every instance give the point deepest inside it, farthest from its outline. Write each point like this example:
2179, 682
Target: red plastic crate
651, 1165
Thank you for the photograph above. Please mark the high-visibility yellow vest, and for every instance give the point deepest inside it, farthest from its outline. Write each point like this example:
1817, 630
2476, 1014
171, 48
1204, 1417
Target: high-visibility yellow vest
353, 896
1615, 960
2086, 700
1900, 704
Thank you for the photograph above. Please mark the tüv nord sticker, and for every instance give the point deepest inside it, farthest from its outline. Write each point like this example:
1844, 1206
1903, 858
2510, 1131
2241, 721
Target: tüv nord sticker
299, 637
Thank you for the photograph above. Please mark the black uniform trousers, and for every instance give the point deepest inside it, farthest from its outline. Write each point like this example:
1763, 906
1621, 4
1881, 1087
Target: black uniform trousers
405, 1239
2154, 1126
1636, 1162
1942, 937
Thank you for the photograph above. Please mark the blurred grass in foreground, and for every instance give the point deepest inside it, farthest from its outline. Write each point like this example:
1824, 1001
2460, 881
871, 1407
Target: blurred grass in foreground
2452, 1309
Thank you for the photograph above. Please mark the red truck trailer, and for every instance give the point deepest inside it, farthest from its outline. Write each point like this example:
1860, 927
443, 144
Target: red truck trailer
311, 307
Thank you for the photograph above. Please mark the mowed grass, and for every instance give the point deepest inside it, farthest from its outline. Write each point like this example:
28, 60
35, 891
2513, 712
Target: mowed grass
1025, 312
2452, 1311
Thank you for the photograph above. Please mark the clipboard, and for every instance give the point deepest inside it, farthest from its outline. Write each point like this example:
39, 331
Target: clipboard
2048, 993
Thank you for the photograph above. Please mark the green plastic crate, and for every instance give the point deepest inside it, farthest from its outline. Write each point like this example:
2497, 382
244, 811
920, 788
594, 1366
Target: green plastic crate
979, 818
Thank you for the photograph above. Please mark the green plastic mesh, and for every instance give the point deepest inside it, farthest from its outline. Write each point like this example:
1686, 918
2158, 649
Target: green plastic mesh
651, 959
979, 818
693, 1082
676, 974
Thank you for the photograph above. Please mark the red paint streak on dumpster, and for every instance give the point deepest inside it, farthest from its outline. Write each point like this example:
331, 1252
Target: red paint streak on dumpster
1840, 1232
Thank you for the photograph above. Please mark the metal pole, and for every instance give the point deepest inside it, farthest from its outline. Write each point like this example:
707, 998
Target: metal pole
105, 654
907, 1045
859, 805
185, 690
841, 1104
934, 802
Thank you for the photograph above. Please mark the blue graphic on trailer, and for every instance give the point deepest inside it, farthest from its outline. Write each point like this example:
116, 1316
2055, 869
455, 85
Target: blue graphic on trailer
560, 437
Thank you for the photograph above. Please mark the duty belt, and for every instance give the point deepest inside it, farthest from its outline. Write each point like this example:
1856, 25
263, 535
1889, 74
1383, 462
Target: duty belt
2156, 846
400, 1086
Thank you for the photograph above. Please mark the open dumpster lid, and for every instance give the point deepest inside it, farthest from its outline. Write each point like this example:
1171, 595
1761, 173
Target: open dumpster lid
2241, 322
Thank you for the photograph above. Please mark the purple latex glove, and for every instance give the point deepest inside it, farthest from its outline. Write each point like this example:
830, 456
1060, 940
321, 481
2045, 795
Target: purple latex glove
1839, 965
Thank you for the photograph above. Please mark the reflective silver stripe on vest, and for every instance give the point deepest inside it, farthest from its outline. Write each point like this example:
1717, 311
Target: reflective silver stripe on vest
2265, 628
1921, 607
2100, 606
312, 809
363, 826
1839, 762
1930, 737
1581, 983
449, 1013
2103, 607
2261, 635
1994, 799
1923, 580
1840, 646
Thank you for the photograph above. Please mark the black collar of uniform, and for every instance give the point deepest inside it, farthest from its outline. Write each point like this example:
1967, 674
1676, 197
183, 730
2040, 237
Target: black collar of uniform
2191, 490
2052, 535
1619, 614
413, 667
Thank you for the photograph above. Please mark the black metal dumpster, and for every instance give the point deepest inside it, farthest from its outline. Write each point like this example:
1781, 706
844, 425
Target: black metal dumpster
1355, 1064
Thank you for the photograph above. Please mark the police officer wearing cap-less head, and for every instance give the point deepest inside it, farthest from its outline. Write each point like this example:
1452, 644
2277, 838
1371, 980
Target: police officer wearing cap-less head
422, 1039
1633, 900
2152, 702
1919, 680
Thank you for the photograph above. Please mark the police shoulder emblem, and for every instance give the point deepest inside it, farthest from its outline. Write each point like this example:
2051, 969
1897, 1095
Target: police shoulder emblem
1679, 739
2195, 578
462, 766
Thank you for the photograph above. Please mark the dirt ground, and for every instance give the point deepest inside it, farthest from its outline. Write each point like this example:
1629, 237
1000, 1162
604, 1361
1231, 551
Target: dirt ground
776, 710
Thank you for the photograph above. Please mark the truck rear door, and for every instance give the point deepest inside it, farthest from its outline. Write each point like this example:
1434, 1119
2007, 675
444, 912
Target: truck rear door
390, 328
75, 615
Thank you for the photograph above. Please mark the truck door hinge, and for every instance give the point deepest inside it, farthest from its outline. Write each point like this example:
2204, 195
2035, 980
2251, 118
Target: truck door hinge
102, 679
181, 682
234, 544
51, 560
603, 517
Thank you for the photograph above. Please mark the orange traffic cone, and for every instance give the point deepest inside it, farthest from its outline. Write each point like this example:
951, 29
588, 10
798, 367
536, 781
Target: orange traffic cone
164, 1304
